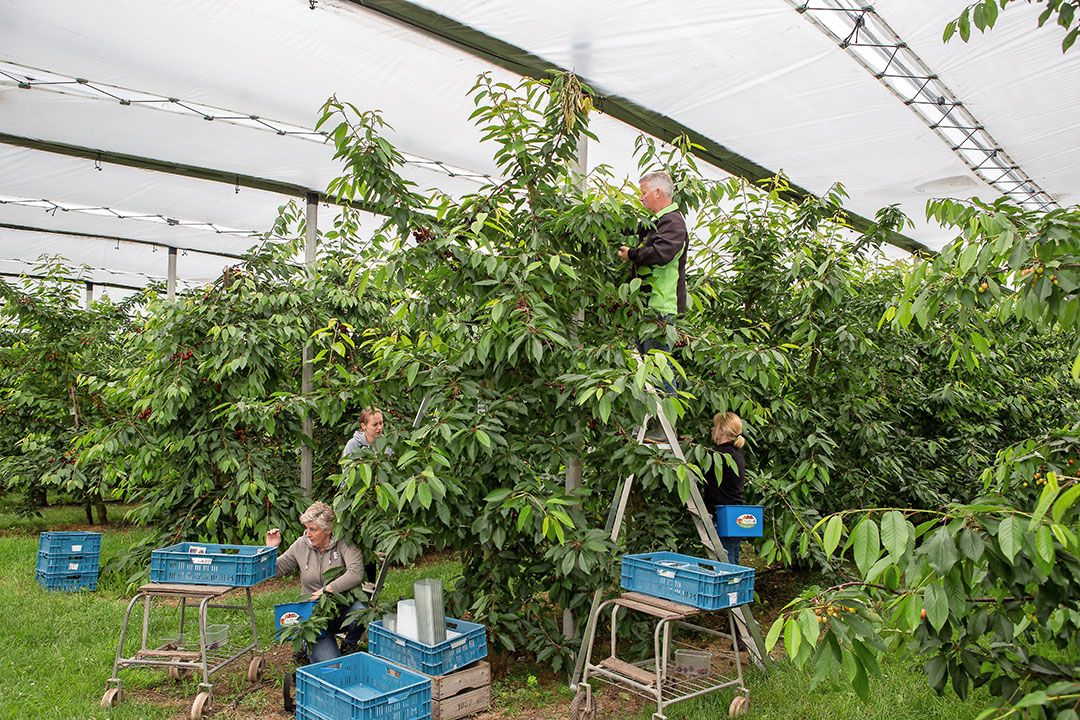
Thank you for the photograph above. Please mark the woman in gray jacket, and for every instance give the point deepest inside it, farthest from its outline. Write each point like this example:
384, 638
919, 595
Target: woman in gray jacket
313, 554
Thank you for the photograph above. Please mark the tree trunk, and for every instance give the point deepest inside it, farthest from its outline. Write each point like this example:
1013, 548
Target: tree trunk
89, 510
102, 512
37, 496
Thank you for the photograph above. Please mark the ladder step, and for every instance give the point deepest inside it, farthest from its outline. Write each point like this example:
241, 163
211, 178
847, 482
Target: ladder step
627, 670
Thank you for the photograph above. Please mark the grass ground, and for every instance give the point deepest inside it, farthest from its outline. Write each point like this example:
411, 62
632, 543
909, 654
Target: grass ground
59, 650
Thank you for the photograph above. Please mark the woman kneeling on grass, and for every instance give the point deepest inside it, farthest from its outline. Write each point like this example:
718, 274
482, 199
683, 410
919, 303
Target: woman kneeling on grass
313, 554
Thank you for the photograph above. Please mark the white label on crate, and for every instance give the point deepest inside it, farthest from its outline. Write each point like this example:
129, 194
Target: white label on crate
73, 566
733, 598
746, 521
76, 548
400, 642
289, 618
459, 643
203, 561
665, 573
196, 550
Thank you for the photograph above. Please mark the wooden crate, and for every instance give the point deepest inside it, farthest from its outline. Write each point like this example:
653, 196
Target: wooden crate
474, 677
460, 694
462, 705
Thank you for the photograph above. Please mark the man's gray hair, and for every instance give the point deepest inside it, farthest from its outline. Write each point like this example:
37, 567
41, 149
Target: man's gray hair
319, 513
659, 180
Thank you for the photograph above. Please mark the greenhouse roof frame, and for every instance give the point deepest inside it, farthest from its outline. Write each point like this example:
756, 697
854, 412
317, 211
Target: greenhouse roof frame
790, 96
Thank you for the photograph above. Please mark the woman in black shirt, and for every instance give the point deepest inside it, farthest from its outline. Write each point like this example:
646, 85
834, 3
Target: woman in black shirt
724, 485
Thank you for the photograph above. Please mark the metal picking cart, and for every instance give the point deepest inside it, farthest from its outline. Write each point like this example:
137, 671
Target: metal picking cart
656, 678
175, 656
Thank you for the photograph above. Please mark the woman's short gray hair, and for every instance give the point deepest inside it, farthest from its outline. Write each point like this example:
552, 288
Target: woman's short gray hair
319, 513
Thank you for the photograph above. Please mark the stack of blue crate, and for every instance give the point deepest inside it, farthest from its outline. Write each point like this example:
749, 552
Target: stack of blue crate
69, 561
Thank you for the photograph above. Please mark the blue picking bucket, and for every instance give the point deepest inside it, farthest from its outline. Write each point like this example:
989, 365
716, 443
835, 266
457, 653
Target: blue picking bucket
288, 614
740, 520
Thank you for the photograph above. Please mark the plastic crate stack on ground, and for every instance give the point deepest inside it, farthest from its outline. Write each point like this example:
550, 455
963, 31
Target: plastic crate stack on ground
69, 561
361, 687
688, 580
461, 682
446, 651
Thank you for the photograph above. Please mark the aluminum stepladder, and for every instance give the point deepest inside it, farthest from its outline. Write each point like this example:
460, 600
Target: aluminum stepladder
749, 632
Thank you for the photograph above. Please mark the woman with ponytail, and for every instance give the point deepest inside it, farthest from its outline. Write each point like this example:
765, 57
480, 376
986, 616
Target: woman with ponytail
724, 485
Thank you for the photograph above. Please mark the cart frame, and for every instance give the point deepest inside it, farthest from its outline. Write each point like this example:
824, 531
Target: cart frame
174, 657
651, 678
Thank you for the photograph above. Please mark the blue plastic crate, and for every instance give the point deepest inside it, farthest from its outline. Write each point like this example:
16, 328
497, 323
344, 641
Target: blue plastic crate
700, 583
286, 614
465, 643
68, 582
68, 563
740, 520
69, 542
361, 687
212, 564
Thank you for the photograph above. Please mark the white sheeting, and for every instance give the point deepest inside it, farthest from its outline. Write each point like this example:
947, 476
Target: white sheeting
752, 75
757, 77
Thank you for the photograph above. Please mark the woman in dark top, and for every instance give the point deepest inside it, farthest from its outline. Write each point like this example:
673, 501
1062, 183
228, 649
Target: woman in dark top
724, 485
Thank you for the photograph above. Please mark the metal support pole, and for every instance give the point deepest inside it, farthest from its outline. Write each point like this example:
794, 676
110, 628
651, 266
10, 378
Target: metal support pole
89, 294
170, 282
307, 459
573, 467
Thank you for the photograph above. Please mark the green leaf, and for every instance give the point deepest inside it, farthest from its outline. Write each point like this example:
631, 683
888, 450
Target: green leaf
1010, 537
497, 496
1070, 39
792, 638
833, 529
1038, 697
1065, 501
941, 551
971, 544
937, 673
866, 544
968, 257
936, 604
894, 533
774, 633
483, 437
950, 29
1044, 543
808, 624
1046, 498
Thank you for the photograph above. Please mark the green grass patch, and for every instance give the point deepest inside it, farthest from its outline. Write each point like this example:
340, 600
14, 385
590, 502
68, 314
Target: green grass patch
59, 647
53, 517
782, 693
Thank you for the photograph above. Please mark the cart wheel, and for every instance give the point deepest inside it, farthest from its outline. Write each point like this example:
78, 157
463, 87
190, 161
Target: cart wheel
203, 702
287, 692
256, 668
580, 707
178, 673
112, 697
739, 706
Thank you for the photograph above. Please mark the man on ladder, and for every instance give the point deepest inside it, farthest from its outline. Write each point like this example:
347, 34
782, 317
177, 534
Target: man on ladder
660, 260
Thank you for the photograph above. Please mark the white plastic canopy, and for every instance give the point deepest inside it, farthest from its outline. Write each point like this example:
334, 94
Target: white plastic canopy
128, 128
